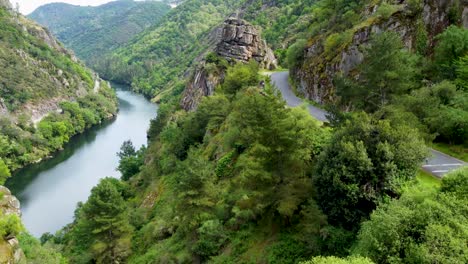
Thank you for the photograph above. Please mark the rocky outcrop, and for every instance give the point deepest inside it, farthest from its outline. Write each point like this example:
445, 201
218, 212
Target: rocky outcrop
10, 252
202, 84
314, 78
241, 42
6, 4
235, 41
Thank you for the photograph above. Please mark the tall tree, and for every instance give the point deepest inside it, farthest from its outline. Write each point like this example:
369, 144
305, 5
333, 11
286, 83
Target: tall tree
105, 220
452, 45
388, 69
367, 161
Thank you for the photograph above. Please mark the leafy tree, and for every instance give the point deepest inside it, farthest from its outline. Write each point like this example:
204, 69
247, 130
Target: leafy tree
423, 226
462, 73
452, 45
130, 160
276, 146
194, 176
105, 220
211, 236
37, 252
387, 70
367, 161
4, 172
240, 76
295, 53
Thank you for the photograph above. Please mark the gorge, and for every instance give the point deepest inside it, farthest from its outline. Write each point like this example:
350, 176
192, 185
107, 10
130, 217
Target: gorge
49, 191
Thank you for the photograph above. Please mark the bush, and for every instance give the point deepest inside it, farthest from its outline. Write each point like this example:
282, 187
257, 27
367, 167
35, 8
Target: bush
295, 53
239, 76
10, 225
211, 237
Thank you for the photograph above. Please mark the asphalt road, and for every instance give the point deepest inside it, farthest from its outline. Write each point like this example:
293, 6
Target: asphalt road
438, 164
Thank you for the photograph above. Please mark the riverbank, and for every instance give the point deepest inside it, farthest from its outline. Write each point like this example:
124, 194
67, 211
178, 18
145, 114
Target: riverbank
23, 142
50, 190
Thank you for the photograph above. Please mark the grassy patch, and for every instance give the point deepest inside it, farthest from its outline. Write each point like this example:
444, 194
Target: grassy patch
427, 180
456, 151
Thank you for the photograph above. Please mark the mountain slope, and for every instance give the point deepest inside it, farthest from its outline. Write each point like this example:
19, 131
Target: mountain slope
46, 94
92, 31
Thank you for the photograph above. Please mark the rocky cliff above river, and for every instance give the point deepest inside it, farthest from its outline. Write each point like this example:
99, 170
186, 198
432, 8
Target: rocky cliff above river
10, 252
235, 41
417, 22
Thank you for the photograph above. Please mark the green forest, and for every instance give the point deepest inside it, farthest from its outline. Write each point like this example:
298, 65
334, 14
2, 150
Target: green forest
91, 32
31, 69
244, 178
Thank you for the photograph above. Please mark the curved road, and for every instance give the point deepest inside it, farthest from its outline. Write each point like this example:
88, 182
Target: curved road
438, 164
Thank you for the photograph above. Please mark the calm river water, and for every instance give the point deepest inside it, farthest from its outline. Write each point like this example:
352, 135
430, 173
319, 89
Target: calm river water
49, 191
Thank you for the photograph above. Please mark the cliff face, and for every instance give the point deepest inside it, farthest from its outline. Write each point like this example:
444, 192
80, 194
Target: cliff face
315, 75
242, 42
10, 252
235, 41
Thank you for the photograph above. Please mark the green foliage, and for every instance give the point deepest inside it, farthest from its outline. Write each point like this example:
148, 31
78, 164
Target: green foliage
295, 53
337, 41
239, 76
386, 10
31, 69
130, 160
442, 109
335, 260
211, 236
387, 71
101, 225
4, 172
36, 252
157, 59
366, 162
94, 31
452, 45
36, 73
420, 227
462, 73
10, 225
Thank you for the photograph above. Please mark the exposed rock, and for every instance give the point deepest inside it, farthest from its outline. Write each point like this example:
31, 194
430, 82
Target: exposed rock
465, 16
7, 4
241, 42
10, 252
202, 84
314, 78
235, 41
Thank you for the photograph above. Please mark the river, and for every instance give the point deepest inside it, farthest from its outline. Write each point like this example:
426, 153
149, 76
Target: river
50, 190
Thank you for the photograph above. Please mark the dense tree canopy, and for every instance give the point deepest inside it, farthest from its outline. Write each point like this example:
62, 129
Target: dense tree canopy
423, 226
367, 162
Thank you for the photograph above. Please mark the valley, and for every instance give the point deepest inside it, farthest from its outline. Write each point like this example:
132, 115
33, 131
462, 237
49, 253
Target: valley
250, 131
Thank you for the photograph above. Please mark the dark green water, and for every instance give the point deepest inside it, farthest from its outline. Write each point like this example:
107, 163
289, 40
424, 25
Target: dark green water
49, 191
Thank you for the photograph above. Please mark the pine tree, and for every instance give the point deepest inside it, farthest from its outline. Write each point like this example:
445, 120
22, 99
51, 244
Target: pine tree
104, 218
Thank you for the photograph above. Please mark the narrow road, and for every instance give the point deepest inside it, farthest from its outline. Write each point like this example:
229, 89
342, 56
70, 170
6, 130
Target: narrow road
438, 164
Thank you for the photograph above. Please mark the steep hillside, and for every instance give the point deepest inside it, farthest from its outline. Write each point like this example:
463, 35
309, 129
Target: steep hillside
338, 39
243, 178
46, 94
160, 56
93, 31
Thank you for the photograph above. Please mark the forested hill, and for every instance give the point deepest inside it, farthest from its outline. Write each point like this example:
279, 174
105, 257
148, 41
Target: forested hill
93, 31
46, 96
38, 82
243, 178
